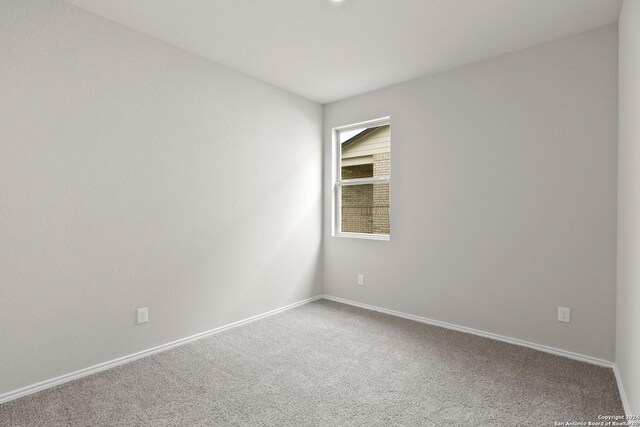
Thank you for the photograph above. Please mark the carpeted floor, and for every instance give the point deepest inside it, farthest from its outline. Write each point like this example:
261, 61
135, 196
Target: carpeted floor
331, 364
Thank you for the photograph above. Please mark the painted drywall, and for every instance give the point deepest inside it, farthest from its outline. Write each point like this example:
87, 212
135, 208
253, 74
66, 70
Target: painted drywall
134, 174
628, 308
503, 196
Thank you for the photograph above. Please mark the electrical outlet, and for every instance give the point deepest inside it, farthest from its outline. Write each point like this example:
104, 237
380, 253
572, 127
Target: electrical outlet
142, 315
564, 314
360, 279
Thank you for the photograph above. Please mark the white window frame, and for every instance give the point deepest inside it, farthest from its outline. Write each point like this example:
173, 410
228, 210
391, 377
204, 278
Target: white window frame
338, 182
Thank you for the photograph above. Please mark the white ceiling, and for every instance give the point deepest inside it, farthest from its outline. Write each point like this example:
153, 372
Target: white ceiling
325, 51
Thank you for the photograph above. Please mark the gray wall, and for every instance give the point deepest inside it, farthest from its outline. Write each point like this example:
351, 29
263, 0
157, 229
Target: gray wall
628, 320
135, 174
503, 196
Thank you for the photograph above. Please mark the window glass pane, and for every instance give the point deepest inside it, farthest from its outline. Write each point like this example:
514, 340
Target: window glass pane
347, 134
381, 209
365, 208
357, 171
365, 152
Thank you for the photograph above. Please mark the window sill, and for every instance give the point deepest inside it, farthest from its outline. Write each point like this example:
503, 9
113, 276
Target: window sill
365, 236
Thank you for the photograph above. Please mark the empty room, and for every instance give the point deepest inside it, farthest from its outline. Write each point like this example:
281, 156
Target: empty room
319, 213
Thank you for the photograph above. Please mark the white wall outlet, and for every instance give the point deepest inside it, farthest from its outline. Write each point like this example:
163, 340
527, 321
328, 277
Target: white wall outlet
142, 315
564, 314
360, 279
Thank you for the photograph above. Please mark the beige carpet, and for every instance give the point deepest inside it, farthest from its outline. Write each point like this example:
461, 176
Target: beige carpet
330, 364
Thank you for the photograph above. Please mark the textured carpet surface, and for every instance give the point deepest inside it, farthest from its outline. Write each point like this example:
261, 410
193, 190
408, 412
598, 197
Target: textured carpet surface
331, 364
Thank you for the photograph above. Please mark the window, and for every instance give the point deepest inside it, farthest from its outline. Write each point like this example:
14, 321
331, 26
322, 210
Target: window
362, 160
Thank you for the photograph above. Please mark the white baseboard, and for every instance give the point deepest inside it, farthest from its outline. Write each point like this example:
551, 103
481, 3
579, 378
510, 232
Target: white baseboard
623, 395
34, 388
540, 347
15, 394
